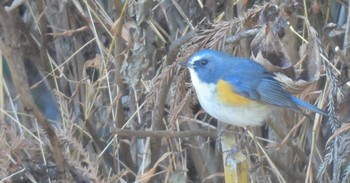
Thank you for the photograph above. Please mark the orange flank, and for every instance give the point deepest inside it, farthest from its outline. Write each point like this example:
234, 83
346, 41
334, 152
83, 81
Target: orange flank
228, 96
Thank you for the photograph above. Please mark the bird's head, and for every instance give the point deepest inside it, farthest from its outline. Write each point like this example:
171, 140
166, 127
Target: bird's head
207, 65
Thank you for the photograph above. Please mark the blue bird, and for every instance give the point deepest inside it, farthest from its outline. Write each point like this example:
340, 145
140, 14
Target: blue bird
41, 94
239, 91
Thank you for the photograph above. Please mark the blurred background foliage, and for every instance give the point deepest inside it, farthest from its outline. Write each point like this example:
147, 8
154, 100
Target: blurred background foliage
92, 91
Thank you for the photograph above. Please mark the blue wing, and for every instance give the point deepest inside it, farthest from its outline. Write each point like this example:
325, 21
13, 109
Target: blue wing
262, 87
272, 92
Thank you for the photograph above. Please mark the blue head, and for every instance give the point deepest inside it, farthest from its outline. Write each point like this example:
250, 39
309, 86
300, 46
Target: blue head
208, 65
211, 65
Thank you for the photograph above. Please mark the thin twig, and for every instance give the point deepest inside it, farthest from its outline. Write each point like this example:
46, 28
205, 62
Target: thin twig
165, 83
165, 134
347, 32
18, 48
241, 35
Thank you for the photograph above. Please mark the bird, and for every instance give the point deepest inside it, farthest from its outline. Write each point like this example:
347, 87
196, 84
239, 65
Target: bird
239, 91
42, 95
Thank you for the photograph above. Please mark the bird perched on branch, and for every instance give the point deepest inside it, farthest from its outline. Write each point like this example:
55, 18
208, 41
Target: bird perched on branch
239, 91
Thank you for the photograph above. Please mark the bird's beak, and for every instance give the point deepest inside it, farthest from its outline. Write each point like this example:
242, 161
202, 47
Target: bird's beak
184, 64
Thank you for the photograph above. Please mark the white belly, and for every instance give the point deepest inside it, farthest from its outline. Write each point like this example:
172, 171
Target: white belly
248, 115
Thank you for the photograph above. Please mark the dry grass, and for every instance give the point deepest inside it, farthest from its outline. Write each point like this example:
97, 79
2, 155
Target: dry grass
127, 110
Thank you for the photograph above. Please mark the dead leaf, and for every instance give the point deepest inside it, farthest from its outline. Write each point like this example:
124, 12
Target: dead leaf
149, 174
294, 87
69, 32
267, 46
92, 68
308, 67
127, 32
269, 14
268, 50
315, 8
134, 66
312, 63
93, 63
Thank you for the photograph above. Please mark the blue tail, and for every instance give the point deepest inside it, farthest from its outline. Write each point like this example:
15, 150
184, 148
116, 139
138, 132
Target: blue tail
308, 106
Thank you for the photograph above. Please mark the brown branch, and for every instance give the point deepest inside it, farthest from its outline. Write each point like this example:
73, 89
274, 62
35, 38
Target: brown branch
117, 47
18, 47
241, 35
165, 134
158, 111
119, 59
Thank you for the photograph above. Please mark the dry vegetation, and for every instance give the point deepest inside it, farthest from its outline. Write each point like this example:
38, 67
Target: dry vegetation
96, 93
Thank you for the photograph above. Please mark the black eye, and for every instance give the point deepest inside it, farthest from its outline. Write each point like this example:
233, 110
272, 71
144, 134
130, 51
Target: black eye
203, 62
